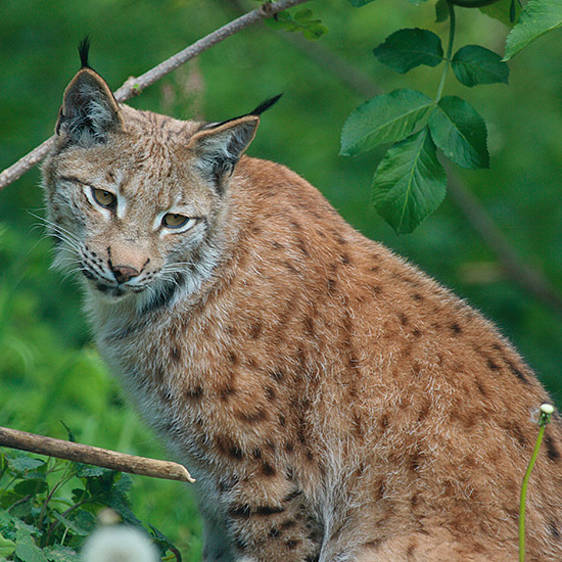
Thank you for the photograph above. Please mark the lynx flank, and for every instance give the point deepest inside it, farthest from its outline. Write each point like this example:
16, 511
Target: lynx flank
333, 402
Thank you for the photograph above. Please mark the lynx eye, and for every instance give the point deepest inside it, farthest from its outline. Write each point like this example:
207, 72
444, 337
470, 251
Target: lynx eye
104, 198
173, 220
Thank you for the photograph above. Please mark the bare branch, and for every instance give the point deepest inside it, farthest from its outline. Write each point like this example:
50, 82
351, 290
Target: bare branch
92, 455
134, 86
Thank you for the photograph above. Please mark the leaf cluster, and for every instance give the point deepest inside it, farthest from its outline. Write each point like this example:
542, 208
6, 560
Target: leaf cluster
301, 21
48, 507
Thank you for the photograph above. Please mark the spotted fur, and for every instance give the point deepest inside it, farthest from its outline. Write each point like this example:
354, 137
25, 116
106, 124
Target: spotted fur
334, 403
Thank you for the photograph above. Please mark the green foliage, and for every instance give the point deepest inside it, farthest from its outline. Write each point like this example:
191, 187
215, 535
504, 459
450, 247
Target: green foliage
385, 118
459, 132
48, 507
407, 48
303, 21
538, 17
475, 65
409, 183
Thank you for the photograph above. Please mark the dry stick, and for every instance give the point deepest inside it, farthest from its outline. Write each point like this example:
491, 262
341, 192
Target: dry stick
519, 272
92, 455
134, 86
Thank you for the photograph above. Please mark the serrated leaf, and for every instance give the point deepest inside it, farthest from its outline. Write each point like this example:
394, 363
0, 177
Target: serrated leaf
385, 118
90, 471
441, 11
409, 182
408, 48
76, 528
504, 11
27, 550
474, 65
24, 464
459, 131
359, 3
537, 18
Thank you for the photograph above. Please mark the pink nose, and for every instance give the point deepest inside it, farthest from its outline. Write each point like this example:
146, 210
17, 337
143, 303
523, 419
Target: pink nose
123, 272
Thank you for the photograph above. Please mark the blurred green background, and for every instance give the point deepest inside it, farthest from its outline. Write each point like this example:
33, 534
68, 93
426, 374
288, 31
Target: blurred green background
49, 370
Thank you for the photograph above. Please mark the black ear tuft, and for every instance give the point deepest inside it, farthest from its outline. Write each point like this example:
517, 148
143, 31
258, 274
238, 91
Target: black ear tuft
83, 50
265, 105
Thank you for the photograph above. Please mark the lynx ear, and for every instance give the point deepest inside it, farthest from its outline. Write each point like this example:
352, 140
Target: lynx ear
89, 110
219, 148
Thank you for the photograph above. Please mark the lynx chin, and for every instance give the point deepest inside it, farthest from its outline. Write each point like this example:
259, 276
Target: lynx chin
334, 403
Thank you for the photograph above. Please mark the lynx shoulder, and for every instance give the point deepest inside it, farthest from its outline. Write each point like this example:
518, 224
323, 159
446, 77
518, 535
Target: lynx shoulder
333, 402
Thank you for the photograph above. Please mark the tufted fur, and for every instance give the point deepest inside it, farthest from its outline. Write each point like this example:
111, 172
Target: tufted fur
334, 402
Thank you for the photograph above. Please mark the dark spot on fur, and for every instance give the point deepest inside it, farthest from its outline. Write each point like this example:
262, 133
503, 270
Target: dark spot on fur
268, 470
289, 447
411, 549
456, 328
277, 375
175, 354
416, 333
226, 392
282, 420
240, 511
517, 432
239, 543
270, 393
255, 416
551, 450
288, 524
331, 285
345, 259
256, 453
309, 325
291, 267
372, 544
481, 388
277, 245
377, 290
384, 422
292, 543
491, 365
294, 494
194, 393
403, 319
517, 372
233, 358
255, 330
553, 529
268, 510
274, 533
417, 297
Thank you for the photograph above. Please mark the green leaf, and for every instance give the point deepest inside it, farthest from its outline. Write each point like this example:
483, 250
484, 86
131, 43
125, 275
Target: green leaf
459, 131
474, 65
504, 11
72, 525
385, 118
7, 546
58, 553
408, 48
409, 182
23, 464
441, 11
26, 549
537, 18
32, 486
359, 3
89, 471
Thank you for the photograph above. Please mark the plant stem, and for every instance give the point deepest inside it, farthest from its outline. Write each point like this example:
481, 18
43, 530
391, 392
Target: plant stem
452, 27
546, 411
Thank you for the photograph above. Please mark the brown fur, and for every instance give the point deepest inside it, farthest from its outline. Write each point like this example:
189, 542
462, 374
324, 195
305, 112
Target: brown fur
333, 402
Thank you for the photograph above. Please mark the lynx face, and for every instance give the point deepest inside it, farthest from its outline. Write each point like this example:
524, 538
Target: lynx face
136, 200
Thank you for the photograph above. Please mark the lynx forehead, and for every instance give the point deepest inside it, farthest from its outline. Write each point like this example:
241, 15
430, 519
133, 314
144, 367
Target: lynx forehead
334, 403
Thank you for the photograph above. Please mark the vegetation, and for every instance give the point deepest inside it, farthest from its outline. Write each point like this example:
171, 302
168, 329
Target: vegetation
49, 369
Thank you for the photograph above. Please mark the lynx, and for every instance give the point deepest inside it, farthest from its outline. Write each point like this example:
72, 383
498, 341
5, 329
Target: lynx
334, 403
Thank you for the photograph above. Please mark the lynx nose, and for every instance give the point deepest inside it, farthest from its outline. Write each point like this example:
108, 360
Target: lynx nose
123, 272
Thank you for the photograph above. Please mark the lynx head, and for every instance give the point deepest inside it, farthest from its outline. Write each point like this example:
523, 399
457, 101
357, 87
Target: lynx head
137, 201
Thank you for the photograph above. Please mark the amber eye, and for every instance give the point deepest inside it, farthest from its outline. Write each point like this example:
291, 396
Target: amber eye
173, 220
104, 198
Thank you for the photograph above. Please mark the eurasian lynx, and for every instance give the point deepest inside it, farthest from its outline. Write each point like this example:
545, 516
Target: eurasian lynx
333, 402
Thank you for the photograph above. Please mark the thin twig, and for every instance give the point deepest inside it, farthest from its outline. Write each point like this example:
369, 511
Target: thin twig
134, 86
92, 455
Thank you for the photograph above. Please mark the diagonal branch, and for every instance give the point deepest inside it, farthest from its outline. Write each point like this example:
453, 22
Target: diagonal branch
134, 86
78, 452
